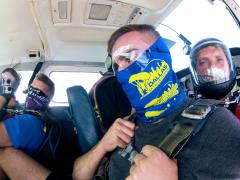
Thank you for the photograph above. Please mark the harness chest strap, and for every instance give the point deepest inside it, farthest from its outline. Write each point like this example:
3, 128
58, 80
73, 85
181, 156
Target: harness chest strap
187, 125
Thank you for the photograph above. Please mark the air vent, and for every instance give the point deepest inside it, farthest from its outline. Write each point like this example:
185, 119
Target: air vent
113, 13
99, 12
61, 11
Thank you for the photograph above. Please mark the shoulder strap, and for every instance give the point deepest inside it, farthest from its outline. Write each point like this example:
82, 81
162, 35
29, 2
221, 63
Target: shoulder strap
187, 125
36, 70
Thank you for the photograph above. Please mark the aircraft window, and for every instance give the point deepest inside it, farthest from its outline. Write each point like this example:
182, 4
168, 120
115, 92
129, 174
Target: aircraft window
25, 77
63, 80
197, 20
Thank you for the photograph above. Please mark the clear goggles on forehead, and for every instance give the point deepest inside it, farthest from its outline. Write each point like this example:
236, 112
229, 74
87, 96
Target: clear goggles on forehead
122, 57
121, 60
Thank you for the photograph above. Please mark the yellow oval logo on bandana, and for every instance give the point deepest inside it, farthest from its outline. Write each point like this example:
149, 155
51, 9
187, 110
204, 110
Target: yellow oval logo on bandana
146, 82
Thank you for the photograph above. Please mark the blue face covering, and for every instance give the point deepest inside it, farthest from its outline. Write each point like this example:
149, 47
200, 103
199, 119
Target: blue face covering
151, 85
36, 100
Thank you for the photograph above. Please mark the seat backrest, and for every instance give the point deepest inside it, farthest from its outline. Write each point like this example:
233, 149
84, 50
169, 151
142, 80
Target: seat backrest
109, 100
83, 116
65, 156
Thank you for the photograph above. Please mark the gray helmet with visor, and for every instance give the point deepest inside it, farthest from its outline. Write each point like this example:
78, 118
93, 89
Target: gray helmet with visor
212, 68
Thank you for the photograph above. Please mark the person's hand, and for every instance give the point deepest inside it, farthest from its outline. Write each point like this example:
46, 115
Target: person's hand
154, 164
118, 135
3, 100
12, 102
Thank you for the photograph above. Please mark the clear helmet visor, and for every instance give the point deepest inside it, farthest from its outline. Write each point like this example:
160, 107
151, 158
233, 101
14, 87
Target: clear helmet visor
214, 75
211, 63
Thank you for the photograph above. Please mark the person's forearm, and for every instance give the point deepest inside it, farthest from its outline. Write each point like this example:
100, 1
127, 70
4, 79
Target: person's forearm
18, 165
118, 135
86, 165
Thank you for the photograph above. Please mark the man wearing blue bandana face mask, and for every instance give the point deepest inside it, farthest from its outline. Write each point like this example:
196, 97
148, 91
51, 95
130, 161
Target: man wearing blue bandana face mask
27, 131
146, 75
143, 66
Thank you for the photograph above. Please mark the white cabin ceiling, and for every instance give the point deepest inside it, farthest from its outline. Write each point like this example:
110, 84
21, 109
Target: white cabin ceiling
18, 32
30, 25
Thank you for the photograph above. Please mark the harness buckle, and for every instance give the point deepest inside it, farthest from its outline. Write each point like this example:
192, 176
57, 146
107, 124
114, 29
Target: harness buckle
196, 111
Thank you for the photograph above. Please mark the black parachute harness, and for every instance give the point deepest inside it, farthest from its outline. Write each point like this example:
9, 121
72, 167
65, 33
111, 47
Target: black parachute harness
25, 111
186, 125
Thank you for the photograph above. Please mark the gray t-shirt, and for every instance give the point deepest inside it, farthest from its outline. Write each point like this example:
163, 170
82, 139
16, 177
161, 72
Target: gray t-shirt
213, 153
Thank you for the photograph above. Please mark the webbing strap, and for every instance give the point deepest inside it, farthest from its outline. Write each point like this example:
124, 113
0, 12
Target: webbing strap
36, 70
96, 107
184, 129
176, 139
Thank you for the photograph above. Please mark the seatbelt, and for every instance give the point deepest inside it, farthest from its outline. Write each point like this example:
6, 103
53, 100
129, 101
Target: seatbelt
187, 125
36, 70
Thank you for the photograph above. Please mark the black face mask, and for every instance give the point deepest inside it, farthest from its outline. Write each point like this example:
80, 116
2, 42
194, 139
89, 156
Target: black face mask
36, 100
